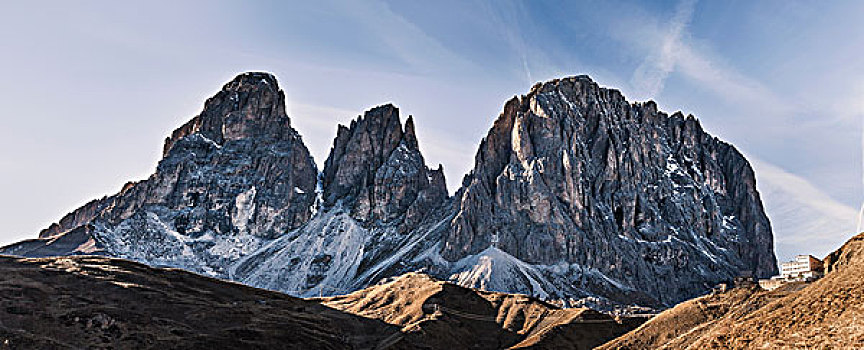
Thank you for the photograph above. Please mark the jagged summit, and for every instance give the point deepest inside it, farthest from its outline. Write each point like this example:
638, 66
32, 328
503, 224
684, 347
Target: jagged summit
588, 86
580, 78
234, 176
376, 169
251, 106
382, 206
410, 136
247, 78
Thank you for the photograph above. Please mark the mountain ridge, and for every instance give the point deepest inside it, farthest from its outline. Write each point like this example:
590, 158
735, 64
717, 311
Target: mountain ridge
586, 198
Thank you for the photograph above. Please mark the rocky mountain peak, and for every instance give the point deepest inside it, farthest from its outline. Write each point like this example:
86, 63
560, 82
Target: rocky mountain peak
375, 167
410, 136
573, 174
251, 80
251, 106
233, 176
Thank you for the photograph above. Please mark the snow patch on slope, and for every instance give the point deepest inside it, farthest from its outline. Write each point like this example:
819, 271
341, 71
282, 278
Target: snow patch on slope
320, 258
245, 208
495, 270
151, 239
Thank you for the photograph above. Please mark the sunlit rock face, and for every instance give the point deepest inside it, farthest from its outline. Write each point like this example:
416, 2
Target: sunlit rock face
573, 176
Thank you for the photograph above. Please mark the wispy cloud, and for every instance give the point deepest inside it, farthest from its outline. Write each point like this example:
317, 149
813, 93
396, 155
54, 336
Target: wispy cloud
406, 40
506, 16
805, 220
676, 54
649, 77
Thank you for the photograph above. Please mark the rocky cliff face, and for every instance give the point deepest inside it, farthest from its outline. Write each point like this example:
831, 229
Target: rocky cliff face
576, 195
382, 207
231, 178
573, 177
376, 171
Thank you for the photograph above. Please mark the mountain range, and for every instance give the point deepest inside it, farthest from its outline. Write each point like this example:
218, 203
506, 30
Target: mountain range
576, 197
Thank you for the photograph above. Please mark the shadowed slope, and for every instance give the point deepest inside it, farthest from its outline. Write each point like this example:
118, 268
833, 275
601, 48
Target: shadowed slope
94, 302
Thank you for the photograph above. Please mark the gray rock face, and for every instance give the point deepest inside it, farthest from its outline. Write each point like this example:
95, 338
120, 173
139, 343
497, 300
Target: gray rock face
573, 175
231, 177
382, 208
376, 170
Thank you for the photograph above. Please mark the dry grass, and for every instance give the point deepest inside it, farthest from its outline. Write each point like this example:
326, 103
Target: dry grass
827, 314
102, 303
468, 318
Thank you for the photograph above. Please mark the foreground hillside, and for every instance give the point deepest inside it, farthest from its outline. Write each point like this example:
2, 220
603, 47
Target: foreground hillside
93, 303
827, 314
422, 306
104, 303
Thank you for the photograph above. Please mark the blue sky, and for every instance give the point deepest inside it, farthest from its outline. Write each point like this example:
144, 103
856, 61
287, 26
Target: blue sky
91, 88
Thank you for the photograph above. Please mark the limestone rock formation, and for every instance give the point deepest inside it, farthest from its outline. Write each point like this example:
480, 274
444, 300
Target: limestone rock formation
376, 170
382, 208
572, 178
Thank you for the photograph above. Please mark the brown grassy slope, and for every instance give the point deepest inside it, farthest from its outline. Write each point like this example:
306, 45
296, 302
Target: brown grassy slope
95, 302
827, 314
468, 318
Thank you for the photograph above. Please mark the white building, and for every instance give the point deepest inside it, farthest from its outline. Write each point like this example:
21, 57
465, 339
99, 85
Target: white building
804, 267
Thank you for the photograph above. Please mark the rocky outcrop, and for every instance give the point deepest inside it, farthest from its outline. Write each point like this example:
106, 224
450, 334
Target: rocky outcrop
851, 253
382, 207
376, 170
76, 218
232, 177
573, 176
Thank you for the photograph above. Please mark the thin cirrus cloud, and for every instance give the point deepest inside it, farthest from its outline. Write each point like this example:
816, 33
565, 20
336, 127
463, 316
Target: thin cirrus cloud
672, 53
649, 77
804, 218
